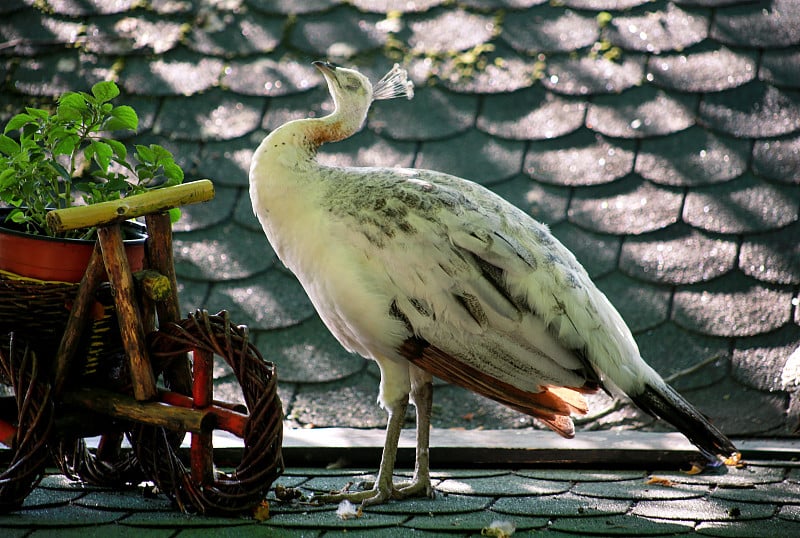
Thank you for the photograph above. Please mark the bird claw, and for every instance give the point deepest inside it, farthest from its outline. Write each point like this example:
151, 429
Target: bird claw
375, 493
365, 498
415, 488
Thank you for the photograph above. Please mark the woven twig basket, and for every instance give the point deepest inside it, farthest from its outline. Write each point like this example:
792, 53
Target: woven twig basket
35, 310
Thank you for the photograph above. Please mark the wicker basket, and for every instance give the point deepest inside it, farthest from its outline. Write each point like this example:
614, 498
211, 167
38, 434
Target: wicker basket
36, 312
262, 460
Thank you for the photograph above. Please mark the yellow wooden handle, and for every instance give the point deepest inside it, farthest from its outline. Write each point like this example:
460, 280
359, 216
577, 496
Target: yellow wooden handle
154, 201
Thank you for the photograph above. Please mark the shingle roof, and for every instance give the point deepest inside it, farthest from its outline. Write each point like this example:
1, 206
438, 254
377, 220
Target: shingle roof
554, 502
659, 139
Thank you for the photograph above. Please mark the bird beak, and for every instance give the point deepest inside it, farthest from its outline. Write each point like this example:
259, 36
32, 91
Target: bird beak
326, 68
328, 71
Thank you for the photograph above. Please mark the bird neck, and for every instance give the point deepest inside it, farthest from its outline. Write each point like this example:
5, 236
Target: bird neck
342, 123
304, 137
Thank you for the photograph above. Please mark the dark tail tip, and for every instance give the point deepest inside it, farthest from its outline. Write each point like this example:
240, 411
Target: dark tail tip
664, 402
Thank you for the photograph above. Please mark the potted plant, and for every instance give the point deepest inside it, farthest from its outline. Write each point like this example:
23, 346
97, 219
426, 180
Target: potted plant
66, 156
55, 159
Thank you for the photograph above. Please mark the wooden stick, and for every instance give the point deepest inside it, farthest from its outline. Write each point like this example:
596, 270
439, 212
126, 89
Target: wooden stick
230, 417
154, 201
151, 286
130, 321
202, 447
178, 373
148, 310
203, 389
118, 405
108, 449
78, 318
8, 432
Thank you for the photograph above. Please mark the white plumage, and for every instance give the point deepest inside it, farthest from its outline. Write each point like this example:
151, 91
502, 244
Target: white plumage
430, 274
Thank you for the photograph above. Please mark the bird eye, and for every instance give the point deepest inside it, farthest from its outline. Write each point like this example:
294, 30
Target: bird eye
353, 84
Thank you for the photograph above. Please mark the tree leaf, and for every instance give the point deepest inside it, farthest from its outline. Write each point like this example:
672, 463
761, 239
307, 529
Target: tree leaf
174, 214
8, 146
60, 170
17, 216
161, 153
66, 145
105, 91
122, 117
117, 184
7, 178
145, 174
145, 154
37, 112
17, 121
174, 173
101, 152
120, 151
71, 106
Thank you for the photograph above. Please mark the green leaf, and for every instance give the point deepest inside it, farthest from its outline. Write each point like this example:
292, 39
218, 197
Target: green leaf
83, 186
122, 117
71, 107
17, 216
8, 146
144, 173
56, 131
37, 112
105, 91
174, 214
145, 154
7, 178
161, 153
66, 145
174, 173
120, 151
69, 115
60, 170
17, 121
117, 184
101, 152
603, 18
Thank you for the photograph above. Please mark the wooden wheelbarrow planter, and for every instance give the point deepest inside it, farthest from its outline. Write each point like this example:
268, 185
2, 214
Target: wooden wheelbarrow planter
109, 258
157, 342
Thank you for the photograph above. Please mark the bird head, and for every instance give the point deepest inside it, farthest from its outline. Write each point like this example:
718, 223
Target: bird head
353, 93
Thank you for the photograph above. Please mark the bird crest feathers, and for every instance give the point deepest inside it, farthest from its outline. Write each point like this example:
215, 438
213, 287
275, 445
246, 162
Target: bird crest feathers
393, 84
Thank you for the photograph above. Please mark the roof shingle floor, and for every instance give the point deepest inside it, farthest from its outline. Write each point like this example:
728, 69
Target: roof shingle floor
542, 502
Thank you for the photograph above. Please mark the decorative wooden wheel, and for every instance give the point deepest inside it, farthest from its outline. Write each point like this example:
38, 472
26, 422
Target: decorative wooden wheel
28, 433
200, 487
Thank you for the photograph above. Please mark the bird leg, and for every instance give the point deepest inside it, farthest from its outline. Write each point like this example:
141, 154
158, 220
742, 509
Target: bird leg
383, 488
422, 398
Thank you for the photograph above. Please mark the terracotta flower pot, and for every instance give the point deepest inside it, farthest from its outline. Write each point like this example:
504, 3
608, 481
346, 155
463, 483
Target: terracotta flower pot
63, 260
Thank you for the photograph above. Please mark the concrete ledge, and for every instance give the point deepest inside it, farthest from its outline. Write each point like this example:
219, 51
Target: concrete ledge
508, 448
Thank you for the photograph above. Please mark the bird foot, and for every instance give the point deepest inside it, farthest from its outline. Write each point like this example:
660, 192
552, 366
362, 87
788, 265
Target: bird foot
368, 497
418, 487
376, 493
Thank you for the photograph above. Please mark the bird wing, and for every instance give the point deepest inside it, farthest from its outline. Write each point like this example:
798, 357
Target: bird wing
552, 405
462, 291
